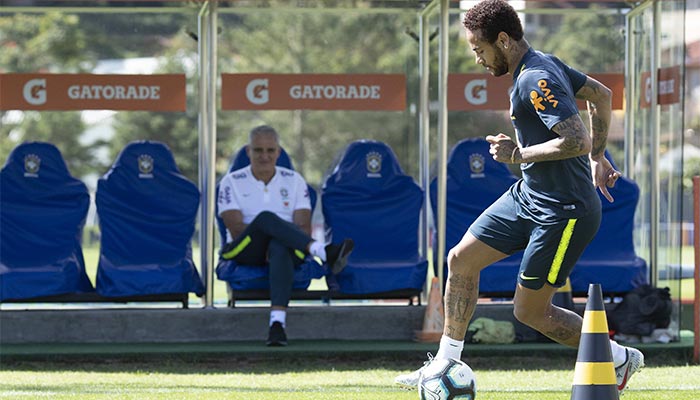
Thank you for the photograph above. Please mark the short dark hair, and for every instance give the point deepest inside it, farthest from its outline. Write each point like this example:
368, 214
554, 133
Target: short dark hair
263, 130
491, 17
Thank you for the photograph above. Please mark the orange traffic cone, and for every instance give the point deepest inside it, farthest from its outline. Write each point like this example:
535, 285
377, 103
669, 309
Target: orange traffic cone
434, 316
594, 376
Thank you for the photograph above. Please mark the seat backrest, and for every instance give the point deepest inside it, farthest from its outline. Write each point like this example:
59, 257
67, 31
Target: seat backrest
43, 206
146, 207
370, 199
617, 224
42, 214
474, 181
241, 160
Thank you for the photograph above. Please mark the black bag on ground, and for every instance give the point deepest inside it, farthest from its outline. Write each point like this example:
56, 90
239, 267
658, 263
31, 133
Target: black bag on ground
641, 311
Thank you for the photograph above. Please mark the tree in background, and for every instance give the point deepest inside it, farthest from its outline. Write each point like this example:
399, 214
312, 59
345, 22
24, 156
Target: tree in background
278, 39
52, 42
327, 41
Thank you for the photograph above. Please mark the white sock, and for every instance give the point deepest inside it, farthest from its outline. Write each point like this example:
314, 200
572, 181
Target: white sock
278, 316
318, 249
619, 354
450, 348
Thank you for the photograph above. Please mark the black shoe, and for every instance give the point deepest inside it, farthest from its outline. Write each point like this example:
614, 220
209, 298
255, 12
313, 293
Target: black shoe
276, 337
337, 255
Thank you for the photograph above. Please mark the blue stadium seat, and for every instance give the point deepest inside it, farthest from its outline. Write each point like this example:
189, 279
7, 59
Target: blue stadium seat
42, 214
147, 212
610, 259
474, 181
370, 199
250, 277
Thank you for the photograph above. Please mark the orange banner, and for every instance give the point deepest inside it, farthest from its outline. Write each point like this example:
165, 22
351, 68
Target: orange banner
92, 92
669, 87
469, 92
369, 92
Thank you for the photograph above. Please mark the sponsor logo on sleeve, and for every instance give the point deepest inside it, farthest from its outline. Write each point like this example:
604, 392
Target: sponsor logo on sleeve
546, 97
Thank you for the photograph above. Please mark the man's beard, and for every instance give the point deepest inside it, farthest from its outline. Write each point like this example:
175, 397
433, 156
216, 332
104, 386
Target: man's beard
500, 66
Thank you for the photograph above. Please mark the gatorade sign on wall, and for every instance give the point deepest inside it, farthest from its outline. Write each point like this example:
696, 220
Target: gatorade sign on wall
92, 92
368, 92
469, 92
669, 84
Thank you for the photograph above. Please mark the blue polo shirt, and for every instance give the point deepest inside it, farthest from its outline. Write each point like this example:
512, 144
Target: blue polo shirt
543, 95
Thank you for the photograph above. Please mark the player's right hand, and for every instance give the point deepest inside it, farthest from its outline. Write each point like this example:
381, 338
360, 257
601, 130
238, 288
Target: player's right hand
501, 148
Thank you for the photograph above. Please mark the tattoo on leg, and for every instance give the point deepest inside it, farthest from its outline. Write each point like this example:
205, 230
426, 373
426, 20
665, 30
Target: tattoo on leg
564, 326
460, 299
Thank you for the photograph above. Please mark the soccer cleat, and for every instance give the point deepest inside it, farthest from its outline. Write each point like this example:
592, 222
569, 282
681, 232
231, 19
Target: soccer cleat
633, 363
411, 380
276, 337
337, 255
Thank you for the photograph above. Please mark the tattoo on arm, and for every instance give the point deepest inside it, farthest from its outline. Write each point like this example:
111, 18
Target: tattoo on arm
599, 99
573, 134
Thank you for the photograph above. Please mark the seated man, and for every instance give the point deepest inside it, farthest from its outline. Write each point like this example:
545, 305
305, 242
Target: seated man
267, 213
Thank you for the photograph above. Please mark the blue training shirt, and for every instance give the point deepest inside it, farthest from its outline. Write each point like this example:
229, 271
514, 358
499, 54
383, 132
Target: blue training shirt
543, 95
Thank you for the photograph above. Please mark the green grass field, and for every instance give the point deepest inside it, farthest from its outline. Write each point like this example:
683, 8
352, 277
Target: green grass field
516, 378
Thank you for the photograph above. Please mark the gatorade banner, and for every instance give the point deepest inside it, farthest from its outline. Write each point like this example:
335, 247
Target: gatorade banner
669, 84
470, 92
92, 92
367, 92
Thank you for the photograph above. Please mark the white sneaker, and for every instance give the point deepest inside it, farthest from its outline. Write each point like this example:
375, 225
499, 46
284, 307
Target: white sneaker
633, 363
410, 380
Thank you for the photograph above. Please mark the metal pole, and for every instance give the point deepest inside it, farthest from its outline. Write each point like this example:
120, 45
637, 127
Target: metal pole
655, 110
696, 245
442, 134
207, 139
424, 126
630, 55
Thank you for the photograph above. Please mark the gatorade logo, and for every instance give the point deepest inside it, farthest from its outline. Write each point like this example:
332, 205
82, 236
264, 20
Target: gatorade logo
475, 92
34, 91
257, 91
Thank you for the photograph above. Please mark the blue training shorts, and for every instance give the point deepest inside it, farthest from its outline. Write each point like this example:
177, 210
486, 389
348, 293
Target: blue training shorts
550, 250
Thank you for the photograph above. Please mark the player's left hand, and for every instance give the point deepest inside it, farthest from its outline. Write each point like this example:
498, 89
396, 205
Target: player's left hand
604, 176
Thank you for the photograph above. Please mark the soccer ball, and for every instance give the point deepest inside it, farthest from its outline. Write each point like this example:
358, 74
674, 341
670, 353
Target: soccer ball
447, 380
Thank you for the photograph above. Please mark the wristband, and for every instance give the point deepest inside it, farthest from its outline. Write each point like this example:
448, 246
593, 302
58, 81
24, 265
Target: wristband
512, 155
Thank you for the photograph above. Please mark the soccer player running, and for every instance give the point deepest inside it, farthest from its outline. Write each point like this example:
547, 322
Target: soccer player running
553, 212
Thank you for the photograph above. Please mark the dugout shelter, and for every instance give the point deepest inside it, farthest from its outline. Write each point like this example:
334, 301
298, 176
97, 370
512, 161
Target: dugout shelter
652, 58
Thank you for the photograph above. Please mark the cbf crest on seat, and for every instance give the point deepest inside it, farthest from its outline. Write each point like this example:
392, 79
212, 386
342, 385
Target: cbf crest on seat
42, 214
147, 212
370, 199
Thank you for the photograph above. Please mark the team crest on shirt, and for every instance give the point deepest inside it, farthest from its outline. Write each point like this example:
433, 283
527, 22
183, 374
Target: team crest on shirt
476, 165
374, 164
284, 193
32, 163
145, 163
540, 101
